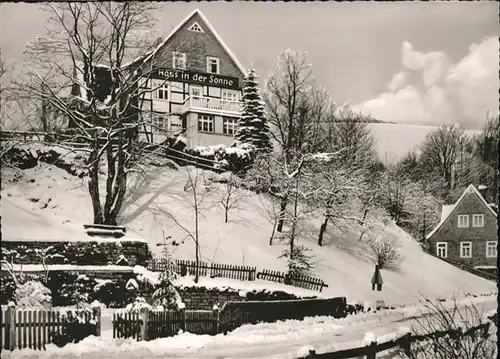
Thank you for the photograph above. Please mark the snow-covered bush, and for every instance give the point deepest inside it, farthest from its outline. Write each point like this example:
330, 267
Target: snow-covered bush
33, 294
137, 304
8, 288
385, 249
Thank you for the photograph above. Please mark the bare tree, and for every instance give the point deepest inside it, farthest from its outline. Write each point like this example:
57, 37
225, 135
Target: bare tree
442, 149
385, 248
196, 186
339, 186
229, 195
294, 107
460, 323
271, 212
80, 71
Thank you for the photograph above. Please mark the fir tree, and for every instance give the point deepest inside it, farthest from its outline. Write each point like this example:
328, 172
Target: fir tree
253, 128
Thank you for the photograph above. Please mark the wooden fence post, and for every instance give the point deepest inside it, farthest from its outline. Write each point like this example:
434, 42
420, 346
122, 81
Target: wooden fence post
406, 344
143, 317
216, 313
10, 328
97, 313
371, 353
183, 319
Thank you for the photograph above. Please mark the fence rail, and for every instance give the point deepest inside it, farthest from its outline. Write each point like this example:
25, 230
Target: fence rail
301, 281
403, 342
34, 329
149, 325
213, 270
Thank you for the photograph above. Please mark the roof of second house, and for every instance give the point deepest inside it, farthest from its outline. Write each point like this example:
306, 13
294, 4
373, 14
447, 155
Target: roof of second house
447, 210
145, 57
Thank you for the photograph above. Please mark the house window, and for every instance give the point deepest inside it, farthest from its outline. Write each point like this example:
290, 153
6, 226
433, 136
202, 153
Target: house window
229, 126
179, 60
228, 95
442, 249
491, 249
196, 28
212, 65
160, 124
162, 91
465, 249
478, 220
205, 123
463, 221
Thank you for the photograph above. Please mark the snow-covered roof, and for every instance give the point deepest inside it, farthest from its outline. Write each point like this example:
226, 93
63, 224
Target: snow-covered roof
448, 209
145, 57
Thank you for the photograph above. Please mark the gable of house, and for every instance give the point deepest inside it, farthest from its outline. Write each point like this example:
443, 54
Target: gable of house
471, 202
195, 37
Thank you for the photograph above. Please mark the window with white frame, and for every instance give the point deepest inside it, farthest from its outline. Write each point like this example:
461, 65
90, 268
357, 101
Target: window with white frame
491, 249
229, 126
478, 220
229, 95
205, 123
465, 249
212, 65
442, 249
159, 124
162, 90
463, 220
179, 60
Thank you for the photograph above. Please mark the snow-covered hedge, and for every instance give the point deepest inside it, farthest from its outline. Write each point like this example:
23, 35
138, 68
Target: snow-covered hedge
236, 159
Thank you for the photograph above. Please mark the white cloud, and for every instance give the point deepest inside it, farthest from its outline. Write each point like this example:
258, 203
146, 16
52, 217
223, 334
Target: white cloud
398, 81
459, 93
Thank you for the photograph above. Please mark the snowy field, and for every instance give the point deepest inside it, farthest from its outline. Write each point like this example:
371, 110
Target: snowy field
47, 203
393, 141
279, 340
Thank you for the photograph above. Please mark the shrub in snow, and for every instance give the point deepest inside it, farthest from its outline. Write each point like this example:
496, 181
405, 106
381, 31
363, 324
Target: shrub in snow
33, 294
386, 250
8, 288
138, 303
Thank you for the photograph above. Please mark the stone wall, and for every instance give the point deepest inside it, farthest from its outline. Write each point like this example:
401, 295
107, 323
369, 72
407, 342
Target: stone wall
92, 252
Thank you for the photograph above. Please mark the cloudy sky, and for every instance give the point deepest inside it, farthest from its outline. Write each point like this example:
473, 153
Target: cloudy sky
406, 62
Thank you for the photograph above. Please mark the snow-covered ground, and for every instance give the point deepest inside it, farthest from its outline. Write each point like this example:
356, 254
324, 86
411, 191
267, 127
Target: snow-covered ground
47, 203
279, 340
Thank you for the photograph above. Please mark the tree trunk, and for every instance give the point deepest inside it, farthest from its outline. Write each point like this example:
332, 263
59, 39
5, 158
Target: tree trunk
281, 221
94, 183
272, 234
322, 232
364, 218
120, 185
225, 215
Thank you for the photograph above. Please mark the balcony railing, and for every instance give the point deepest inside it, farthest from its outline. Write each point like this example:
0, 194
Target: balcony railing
208, 104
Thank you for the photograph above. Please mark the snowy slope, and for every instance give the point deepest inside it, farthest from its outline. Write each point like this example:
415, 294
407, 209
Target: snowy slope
343, 262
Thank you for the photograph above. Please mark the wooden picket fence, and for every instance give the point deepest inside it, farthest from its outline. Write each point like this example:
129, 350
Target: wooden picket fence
301, 281
33, 329
149, 325
213, 270
403, 342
